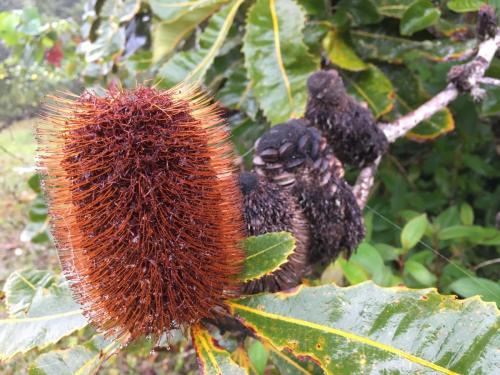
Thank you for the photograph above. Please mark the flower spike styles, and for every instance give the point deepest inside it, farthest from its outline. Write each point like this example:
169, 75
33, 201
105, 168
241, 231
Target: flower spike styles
145, 205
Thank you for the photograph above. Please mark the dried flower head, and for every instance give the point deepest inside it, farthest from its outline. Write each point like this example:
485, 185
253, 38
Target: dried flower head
145, 206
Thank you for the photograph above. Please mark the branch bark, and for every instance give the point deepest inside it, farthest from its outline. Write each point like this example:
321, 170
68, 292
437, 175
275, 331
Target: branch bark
470, 75
466, 77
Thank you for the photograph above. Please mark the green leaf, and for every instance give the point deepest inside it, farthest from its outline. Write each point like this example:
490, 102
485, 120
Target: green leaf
420, 15
166, 34
21, 287
266, 253
379, 45
120, 10
51, 315
491, 103
259, 356
82, 359
366, 263
452, 272
237, 93
373, 87
473, 233
367, 329
276, 58
38, 210
413, 231
420, 274
462, 6
9, 22
471, 286
288, 364
480, 166
34, 183
212, 359
466, 214
173, 10
353, 272
36, 232
360, 12
392, 8
341, 53
192, 65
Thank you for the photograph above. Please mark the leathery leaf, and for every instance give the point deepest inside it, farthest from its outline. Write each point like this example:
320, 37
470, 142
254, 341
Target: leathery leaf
368, 329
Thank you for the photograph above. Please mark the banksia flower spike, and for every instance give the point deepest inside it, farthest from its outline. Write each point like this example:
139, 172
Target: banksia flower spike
145, 206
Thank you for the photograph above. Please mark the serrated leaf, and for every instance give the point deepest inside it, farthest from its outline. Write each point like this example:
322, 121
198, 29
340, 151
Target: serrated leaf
367, 329
420, 15
237, 93
471, 286
266, 253
379, 45
276, 58
341, 53
360, 12
413, 231
212, 359
166, 34
82, 359
288, 364
462, 6
51, 315
373, 87
21, 286
173, 10
192, 65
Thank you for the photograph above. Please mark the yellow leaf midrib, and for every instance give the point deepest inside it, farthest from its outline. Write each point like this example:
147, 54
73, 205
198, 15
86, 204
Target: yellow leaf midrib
40, 318
345, 334
279, 59
218, 41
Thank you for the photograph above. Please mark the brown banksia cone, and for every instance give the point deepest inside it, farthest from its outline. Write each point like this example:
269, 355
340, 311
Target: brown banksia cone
145, 206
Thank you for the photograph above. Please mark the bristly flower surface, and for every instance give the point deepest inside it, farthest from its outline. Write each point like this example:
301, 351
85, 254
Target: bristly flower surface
145, 206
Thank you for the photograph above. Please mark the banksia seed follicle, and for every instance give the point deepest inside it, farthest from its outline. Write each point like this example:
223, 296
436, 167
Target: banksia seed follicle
145, 206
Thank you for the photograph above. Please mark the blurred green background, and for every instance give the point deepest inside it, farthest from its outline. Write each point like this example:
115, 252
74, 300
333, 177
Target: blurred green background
433, 218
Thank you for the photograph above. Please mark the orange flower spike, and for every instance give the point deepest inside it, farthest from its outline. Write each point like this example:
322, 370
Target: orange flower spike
145, 205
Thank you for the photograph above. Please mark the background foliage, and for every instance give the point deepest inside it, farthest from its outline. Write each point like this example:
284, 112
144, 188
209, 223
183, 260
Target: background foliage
431, 219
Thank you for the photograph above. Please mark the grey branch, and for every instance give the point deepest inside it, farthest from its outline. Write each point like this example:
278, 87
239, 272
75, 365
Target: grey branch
489, 81
466, 77
472, 73
365, 182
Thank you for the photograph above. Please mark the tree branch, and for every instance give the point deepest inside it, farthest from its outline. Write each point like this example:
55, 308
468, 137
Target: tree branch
489, 81
466, 77
364, 183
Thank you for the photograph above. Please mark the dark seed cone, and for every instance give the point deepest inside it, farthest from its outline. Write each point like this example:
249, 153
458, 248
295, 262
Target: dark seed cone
298, 159
145, 205
270, 208
348, 126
